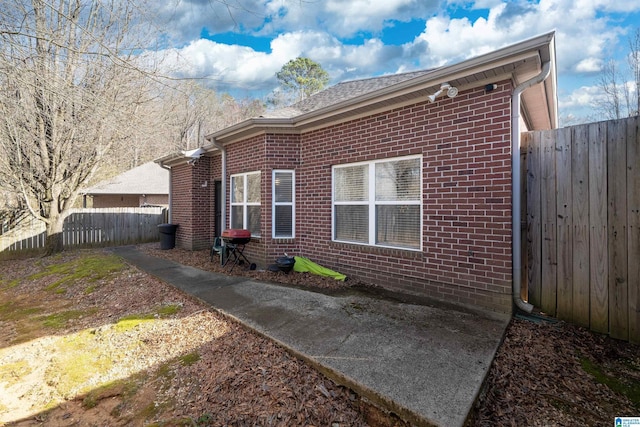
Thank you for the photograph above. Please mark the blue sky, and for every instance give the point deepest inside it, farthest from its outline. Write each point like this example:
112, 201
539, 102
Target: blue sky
239, 45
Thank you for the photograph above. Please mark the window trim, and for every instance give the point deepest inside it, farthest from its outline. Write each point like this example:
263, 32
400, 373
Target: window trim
244, 203
372, 203
274, 204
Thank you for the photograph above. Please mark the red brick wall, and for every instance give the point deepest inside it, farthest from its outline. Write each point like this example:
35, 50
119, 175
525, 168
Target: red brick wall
191, 204
465, 148
465, 144
281, 152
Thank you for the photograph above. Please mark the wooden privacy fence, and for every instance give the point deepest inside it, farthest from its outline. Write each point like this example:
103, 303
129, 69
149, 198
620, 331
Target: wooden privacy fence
583, 225
90, 227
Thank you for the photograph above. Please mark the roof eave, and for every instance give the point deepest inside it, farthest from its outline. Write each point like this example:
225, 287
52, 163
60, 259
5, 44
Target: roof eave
540, 47
253, 126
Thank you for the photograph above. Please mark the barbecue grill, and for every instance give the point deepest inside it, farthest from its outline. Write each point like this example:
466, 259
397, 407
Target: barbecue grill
236, 236
235, 240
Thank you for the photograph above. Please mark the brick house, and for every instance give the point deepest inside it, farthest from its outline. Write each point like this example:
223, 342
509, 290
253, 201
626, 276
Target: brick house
144, 185
404, 180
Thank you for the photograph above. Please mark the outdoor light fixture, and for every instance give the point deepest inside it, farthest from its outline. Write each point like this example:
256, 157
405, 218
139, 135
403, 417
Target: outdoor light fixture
193, 155
450, 90
490, 87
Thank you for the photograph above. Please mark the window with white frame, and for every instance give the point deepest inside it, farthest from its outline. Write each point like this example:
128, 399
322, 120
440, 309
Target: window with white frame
283, 213
379, 203
245, 202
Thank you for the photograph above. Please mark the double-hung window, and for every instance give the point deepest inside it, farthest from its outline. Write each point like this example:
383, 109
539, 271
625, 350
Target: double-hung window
379, 203
245, 202
283, 212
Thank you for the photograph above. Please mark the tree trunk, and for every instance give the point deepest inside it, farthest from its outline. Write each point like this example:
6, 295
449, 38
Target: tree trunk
54, 243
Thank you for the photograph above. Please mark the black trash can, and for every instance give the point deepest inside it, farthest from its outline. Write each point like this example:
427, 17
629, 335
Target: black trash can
167, 236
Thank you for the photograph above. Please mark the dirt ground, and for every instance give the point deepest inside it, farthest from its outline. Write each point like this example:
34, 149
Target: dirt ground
88, 341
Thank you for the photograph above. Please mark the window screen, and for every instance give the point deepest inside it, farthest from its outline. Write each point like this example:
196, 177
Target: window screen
245, 202
379, 203
283, 204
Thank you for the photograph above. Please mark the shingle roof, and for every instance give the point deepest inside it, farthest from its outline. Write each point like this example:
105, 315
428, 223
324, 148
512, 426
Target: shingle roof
149, 178
342, 92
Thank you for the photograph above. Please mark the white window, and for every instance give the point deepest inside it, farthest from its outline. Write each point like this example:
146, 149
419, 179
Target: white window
379, 203
284, 213
245, 202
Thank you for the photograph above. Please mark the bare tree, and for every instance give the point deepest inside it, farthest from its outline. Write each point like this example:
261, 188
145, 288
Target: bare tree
634, 66
621, 87
187, 111
69, 87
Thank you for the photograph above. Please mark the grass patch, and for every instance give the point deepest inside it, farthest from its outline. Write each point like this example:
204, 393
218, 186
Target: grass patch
164, 371
202, 421
190, 358
87, 268
78, 360
112, 389
624, 386
168, 310
151, 410
11, 373
131, 321
59, 320
11, 312
129, 390
9, 284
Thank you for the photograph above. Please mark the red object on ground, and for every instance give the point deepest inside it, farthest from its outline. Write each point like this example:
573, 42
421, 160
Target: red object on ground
236, 235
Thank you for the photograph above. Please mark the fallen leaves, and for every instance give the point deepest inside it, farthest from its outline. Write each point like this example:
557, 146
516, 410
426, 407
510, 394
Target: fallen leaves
537, 378
168, 359
196, 367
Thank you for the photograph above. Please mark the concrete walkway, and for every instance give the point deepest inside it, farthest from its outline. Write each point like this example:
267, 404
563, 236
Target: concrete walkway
422, 362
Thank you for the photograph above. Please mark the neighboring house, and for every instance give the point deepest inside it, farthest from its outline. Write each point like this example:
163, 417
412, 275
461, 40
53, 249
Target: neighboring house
373, 179
145, 185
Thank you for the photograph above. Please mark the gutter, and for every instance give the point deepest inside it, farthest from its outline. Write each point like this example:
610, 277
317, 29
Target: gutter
223, 151
516, 195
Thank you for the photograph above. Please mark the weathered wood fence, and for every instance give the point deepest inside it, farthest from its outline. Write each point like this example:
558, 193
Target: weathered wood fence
583, 225
90, 227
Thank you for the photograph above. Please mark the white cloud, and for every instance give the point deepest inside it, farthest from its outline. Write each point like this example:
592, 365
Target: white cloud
343, 18
589, 65
586, 36
582, 41
346, 18
223, 64
243, 67
184, 20
583, 97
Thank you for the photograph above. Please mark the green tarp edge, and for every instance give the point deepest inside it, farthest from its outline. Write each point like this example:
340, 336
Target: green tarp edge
305, 265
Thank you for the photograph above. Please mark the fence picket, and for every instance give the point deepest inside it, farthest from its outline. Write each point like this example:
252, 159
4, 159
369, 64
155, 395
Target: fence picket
594, 173
617, 283
534, 250
598, 258
549, 222
580, 213
565, 226
633, 227
90, 227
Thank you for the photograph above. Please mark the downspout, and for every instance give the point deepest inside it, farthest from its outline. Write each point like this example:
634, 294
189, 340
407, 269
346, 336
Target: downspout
223, 151
516, 219
170, 191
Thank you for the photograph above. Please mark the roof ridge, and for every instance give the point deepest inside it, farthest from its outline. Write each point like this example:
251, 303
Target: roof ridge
424, 71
